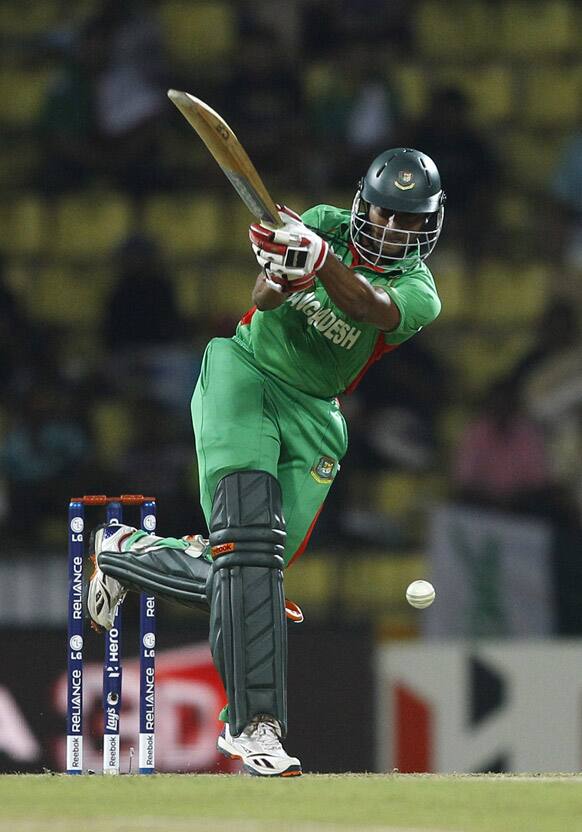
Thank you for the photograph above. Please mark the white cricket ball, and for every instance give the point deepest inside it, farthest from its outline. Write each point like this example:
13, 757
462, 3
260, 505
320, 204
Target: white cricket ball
420, 594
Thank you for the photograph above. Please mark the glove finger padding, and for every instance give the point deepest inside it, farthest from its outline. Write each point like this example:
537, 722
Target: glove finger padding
282, 284
295, 250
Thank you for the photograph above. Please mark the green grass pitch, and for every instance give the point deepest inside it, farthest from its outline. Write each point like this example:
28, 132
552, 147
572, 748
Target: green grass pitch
312, 803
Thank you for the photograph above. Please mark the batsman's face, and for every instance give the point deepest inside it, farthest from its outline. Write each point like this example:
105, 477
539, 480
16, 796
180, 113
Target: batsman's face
390, 229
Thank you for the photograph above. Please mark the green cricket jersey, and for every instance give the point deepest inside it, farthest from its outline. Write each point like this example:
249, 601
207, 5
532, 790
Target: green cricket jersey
317, 348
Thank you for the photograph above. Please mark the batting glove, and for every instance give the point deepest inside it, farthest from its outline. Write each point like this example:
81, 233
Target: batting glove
293, 252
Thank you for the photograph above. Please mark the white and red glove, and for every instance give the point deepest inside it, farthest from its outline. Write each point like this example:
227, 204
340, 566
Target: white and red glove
289, 256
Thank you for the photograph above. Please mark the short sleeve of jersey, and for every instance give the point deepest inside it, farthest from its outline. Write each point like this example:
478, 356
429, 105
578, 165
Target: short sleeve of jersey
417, 302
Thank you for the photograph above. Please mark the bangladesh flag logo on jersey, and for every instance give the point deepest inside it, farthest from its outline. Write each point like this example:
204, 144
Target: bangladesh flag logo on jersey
323, 471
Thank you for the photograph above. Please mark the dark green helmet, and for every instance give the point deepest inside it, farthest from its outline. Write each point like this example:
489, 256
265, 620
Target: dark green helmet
399, 180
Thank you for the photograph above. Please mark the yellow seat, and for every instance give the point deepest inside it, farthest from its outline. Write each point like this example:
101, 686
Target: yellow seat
453, 287
481, 359
460, 29
310, 582
530, 157
510, 293
231, 289
397, 493
112, 427
198, 32
410, 82
187, 225
236, 242
380, 580
22, 93
191, 290
26, 17
90, 223
452, 423
551, 96
23, 225
548, 28
70, 296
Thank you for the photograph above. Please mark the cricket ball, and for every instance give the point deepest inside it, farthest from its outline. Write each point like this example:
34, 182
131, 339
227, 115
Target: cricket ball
420, 594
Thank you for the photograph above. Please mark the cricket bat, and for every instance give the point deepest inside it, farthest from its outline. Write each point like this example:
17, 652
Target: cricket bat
230, 155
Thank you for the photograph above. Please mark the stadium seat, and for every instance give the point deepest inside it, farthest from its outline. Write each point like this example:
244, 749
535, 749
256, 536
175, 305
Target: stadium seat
198, 32
481, 359
112, 427
239, 219
379, 580
460, 29
69, 295
509, 293
190, 290
231, 288
452, 423
448, 266
23, 225
22, 93
187, 225
312, 582
547, 28
410, 83
90, 223
530, 157
551, 96
489, 88
397, 493
20, 18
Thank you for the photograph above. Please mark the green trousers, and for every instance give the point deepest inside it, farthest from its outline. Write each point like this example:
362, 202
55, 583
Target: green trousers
246, 419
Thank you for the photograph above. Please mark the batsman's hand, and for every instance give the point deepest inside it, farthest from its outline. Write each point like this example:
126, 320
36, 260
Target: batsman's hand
290, 256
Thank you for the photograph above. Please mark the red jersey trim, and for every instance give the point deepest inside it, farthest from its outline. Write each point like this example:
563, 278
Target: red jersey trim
356, 261
247, 317
305, 541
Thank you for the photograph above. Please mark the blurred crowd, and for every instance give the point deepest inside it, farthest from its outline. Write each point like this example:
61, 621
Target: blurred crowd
485, 408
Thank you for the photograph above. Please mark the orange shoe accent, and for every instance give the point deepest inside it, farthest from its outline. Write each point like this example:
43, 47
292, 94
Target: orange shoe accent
291, 774
293, 612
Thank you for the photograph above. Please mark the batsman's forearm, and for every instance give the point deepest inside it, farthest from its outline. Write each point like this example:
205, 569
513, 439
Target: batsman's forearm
348, 290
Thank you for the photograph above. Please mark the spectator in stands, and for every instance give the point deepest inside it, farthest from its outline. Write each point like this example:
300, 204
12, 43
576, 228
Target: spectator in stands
101, 118
565, 189
550, 376
351, 117
264, 102
15, 337
142, 308
502, 460
467, 160
44, 457
143, 328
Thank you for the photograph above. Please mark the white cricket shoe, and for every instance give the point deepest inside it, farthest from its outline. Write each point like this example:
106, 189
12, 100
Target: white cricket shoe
259, 747
105, 593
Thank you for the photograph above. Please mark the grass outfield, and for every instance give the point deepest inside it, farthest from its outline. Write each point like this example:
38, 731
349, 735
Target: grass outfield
312, 803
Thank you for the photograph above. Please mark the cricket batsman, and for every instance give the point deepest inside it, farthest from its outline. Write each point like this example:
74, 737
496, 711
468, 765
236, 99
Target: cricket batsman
337, 289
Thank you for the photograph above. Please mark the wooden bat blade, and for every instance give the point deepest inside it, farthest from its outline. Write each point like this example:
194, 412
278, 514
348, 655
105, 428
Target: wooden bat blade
229, 153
